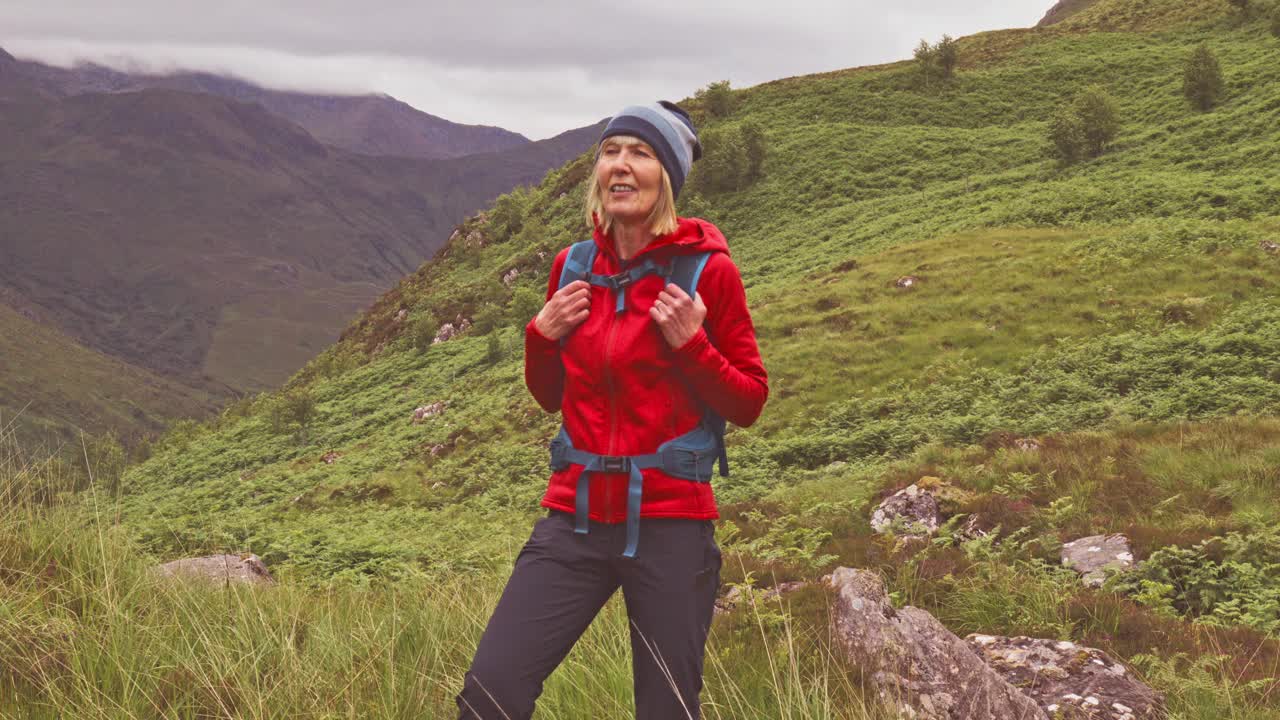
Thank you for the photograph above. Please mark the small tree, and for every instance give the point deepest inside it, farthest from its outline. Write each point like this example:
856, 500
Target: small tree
1067, 134
1099, 117
293, 407
717, 99
926, 60
1085, 125
1202, 80
948, 55
754, 146
526, 302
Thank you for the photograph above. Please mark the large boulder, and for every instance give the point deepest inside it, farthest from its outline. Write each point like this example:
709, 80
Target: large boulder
914, 663
220, 568
1069, 680
1094, 556
911, 511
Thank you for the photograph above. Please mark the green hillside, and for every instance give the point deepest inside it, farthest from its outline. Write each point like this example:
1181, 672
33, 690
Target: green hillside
1122, 311
50, 386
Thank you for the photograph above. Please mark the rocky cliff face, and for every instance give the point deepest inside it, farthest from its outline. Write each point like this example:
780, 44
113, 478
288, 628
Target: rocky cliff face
1064, 9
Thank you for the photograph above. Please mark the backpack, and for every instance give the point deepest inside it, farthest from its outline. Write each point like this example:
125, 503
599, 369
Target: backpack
688, 456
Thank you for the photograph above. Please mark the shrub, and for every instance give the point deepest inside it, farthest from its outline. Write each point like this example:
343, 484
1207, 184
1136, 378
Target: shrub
1275, 21
1085, 125
294, 407
753, 145
717, 99
1066, 132
1202, 80
948, 53
423, 331
1241, 5
507, 214
526, 302
938, 60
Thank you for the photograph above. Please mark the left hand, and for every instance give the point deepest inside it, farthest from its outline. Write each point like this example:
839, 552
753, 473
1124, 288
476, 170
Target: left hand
678, 315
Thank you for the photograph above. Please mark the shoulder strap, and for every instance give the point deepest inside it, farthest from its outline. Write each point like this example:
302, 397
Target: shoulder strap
685, 273
686, 269
577, 265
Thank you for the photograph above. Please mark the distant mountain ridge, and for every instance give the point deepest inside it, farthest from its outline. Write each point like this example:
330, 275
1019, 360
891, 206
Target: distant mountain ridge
210, 240
368, 124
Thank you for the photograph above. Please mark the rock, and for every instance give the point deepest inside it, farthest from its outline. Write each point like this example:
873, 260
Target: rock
510, 276
1027, 444
220, 568
910, 508
475, 239
1069, 680
330, 457
914, 663
426, 411
906, 281
453, 236
450, 330
1270, 246
737, 595
1093, 556
400, 316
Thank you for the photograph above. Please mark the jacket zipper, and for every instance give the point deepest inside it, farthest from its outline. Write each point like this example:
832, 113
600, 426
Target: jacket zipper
607, 510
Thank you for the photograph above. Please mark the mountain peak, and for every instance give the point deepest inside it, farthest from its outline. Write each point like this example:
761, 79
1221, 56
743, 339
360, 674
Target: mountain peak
1064, 9
6, 57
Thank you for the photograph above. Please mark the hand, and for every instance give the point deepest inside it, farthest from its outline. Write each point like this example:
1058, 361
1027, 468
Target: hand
678, 316
566, 309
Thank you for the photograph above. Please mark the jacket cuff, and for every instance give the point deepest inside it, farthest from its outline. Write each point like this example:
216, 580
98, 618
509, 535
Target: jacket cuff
532, 334
693, 346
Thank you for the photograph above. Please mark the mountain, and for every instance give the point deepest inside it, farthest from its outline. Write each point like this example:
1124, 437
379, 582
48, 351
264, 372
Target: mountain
210, 240
1062, 10
368, 124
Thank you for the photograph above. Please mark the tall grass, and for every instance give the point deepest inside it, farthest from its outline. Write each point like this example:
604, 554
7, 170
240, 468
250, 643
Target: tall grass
88, 631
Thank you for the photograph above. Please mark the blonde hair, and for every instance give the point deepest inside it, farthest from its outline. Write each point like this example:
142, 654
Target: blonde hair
662, 219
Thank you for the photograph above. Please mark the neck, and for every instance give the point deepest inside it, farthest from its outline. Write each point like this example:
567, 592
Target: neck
630, 239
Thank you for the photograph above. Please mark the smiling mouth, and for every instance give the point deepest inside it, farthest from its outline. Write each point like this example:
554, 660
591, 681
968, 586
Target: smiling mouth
622, 188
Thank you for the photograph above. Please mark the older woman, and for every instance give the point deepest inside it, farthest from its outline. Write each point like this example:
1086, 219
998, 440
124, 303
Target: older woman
645, 376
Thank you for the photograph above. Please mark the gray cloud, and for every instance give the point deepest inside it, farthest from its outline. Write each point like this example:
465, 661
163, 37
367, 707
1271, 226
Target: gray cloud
537, 68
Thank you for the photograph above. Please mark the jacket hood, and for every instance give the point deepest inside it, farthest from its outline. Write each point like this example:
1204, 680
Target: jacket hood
692, 235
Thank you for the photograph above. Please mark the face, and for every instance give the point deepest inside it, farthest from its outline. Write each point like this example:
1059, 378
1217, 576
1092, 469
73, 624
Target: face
630, 179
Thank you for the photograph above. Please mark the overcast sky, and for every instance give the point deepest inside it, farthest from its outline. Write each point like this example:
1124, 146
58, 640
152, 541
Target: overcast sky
534, 67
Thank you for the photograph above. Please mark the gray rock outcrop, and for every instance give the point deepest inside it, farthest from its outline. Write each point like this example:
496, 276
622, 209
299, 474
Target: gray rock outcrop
910, 511
913, 662
1069, 680
220, 568
1094, 556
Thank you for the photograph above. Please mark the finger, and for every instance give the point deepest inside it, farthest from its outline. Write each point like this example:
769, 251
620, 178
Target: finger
676, 292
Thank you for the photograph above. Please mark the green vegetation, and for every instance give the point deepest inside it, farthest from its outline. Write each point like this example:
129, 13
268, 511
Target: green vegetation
1202, 83
1083, 127
1122, 311
937, 61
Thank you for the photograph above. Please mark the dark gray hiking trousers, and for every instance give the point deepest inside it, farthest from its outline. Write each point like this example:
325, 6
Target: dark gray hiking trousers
560, 582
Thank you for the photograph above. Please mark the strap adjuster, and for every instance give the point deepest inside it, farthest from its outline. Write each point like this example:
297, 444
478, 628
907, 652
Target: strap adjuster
620, 280
615, 463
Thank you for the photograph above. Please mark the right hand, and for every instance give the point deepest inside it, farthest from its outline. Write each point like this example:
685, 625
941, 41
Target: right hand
565, 310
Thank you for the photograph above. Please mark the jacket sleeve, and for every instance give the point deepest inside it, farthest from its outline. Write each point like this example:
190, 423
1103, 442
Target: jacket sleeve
722, 360
543, 369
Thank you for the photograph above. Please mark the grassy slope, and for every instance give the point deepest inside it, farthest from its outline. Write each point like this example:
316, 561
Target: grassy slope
1100, 306
40, 365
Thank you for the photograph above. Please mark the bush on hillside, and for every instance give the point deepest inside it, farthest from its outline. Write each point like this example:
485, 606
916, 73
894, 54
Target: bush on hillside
507, 214
1202, 79
937, 61
294, 409
1084, 126
716, 99
1275, 21
1241, 5
526, 302
732, 158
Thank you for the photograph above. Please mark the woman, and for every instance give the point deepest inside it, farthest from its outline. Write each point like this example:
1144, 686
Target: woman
633, 363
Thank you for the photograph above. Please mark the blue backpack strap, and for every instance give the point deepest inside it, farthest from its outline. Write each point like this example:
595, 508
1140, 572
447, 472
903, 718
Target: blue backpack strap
577, 265
685, 272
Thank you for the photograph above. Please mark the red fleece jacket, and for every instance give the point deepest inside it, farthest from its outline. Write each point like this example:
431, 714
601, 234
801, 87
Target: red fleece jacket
624, 391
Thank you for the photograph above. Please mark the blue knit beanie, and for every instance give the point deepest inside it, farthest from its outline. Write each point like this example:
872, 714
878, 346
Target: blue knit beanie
667, 129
